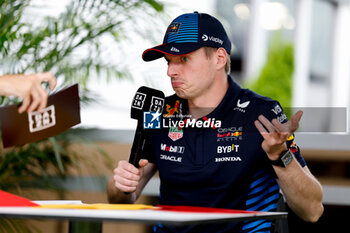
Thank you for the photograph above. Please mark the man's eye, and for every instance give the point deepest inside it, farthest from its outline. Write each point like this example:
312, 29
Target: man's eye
184, 59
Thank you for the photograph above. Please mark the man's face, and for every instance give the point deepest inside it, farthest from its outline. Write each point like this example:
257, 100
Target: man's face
191, 75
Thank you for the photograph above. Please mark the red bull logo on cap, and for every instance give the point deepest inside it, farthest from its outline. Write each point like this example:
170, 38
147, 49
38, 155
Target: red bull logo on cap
173, 28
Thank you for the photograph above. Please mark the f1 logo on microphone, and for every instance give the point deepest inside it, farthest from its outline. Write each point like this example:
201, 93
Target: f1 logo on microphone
151, 120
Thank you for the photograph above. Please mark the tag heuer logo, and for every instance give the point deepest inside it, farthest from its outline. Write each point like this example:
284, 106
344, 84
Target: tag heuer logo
175, 133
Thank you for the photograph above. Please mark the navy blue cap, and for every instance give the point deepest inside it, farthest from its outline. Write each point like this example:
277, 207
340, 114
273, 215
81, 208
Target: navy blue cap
189, 32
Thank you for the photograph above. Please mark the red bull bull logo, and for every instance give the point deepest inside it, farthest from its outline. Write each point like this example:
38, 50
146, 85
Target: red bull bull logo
236, 134
173, 28
171, 111
229, 134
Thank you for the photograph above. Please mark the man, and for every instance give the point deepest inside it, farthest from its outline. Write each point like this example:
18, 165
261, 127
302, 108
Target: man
29, 88
240, 161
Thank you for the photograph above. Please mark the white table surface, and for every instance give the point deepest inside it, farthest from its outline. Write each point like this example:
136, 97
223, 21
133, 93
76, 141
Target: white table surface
148, 216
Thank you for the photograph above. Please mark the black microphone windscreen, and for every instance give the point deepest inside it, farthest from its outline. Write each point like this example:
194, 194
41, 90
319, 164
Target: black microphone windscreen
146, 99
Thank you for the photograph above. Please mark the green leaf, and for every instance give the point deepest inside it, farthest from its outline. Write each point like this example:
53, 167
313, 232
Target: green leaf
56, 150
155, 4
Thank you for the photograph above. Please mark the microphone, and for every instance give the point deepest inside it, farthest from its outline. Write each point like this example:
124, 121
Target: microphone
145, 100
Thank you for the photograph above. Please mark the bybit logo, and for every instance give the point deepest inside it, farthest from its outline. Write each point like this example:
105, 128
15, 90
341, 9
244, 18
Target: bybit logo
227, 149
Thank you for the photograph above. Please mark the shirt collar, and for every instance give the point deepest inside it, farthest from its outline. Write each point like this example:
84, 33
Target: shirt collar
230, 97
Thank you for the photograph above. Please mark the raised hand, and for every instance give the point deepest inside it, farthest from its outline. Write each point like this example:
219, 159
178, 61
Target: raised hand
276, 134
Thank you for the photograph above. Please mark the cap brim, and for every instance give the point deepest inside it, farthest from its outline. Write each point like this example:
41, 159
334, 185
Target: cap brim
172, 49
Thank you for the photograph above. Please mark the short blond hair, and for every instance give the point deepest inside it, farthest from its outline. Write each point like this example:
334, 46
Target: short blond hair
209, 51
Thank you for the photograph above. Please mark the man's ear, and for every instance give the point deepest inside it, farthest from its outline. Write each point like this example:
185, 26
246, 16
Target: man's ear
221, 58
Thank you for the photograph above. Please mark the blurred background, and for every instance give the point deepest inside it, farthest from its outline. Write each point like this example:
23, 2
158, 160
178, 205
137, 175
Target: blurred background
295, 51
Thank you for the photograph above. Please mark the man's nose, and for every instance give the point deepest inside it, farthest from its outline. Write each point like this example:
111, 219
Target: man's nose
173, 69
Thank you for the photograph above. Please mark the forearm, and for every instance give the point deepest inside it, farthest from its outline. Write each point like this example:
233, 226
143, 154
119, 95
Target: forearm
301, 190
8, 84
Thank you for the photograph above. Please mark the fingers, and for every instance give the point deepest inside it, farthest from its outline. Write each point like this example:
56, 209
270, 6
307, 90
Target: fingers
260, 128
34, 95
48, 77
39, 95
31, 100
24, 105
40, 102
270, 129
143, 163
38, 99
127, 177
294, 122
275, 126
267, 124
273, 132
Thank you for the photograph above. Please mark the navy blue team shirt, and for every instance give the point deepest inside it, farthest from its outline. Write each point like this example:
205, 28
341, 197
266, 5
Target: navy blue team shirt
221, 167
